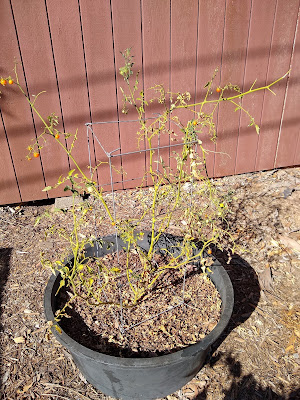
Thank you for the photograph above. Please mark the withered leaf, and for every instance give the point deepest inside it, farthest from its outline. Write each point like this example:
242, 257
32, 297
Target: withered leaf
191, 391
289, 242
19, 339
209, 261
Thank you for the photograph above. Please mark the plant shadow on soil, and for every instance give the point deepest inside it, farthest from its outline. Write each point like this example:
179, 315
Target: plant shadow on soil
246, 290
5, 254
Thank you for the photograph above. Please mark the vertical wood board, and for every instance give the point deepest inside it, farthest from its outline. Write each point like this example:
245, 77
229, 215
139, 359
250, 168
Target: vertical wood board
184, 40
127, 26
156, 57
100, 62
289, 139
280, 56
210, 44
9, 192
257, 62
36, 50
17, 118
233, 65
65, 28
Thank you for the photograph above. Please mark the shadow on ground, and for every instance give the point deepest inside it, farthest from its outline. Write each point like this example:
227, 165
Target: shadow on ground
246, 290
244, 387
247, 294
4, 273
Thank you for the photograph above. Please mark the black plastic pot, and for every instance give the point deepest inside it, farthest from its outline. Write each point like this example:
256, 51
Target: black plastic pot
142, 378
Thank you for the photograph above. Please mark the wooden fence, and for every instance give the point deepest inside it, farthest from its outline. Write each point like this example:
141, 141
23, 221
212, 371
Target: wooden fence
71, 49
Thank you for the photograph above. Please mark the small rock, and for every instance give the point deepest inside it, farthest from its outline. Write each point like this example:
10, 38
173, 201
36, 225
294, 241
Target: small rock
287, 192
5, 377
66, 202
188, 187
82, 378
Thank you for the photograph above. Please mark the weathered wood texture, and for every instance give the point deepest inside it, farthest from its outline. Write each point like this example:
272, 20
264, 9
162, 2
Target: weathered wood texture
72, 50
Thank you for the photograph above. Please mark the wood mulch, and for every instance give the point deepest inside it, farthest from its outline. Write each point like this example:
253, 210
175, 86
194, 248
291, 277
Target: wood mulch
159, 324
257, 357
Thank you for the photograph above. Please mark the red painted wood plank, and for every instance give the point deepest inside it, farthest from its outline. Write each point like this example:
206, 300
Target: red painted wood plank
184, 18
34, 40
297, 151
17, 120
97, 28
233, 64
156, 56
210, 43
287, 153
9, 192
156, 44
68, 53
184, 29
127, 33
284, 30
260, 35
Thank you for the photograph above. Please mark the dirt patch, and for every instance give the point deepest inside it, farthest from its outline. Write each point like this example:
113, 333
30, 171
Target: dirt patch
258, 356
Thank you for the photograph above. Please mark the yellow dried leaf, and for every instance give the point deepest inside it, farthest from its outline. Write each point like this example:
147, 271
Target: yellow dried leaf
291, 344
290, 348
19, 339
27, 387
274, 252
274, 243
58, 328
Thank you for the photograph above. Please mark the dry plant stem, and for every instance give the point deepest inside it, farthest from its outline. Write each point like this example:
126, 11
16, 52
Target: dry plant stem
207, 91
48, 128
239, 96
127, 273
155, 238
157, 183
185, 172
